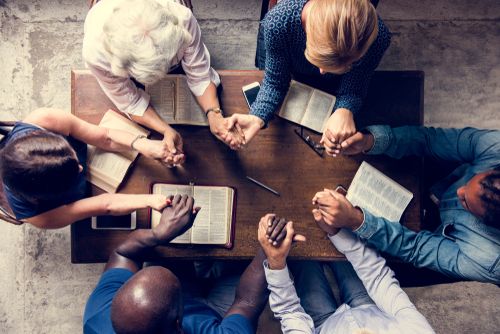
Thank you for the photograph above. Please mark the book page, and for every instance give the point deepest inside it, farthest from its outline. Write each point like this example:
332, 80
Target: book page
318, 110
167, 190
163, 98
211, 225
106, 170
380, 195
188, 110
296, 101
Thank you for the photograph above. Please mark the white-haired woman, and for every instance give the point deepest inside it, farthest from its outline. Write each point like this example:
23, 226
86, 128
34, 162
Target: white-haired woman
144, 40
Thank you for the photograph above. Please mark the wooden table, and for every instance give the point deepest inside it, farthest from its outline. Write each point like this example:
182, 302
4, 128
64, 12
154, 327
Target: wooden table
277, 157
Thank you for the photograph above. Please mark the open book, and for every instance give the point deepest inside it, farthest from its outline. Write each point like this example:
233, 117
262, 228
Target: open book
107, 170
380, 195
174, 102
307, 106
213, 224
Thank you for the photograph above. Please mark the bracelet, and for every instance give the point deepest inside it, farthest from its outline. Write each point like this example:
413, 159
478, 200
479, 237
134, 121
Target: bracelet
136, 139
215, 110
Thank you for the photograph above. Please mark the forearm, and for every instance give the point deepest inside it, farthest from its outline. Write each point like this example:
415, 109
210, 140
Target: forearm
285, 303
152, 120
209, 98
251, 293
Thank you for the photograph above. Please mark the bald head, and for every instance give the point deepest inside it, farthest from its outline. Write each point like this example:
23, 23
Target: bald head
150, 302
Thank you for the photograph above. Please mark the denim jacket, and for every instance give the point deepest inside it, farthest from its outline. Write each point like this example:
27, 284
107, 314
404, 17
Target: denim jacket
462, 246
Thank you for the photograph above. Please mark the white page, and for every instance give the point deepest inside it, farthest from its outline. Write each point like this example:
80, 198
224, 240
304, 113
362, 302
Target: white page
167, 190
318, 110
188, 110
110, 165
296, 101
380, 195
212, 226
163, 98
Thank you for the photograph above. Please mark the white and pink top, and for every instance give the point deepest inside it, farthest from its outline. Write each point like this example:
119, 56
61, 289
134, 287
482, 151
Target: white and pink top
194, 59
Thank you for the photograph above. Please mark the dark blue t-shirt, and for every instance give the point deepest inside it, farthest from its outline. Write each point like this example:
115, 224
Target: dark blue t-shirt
198, 317
25, 209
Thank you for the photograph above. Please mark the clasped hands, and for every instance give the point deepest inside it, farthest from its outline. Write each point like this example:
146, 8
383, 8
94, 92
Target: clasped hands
332, 212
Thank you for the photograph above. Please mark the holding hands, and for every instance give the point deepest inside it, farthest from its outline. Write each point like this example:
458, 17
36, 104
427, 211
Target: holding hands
340, 126
227, 130
248, 124
176, 218
272, 230
168, 151
333, 211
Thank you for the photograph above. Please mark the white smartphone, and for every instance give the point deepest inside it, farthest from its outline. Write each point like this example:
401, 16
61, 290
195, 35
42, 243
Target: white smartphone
250, 92
126, 222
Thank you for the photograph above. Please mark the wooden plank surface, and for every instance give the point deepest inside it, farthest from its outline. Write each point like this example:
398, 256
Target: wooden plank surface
277, 157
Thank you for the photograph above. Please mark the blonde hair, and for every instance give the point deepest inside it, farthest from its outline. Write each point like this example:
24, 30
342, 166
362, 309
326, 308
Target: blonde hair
142, 38
339, 32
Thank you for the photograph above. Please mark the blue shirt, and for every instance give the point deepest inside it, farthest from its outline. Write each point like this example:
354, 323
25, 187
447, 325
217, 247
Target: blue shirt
462, 246
198, 318
285, 43
25, 209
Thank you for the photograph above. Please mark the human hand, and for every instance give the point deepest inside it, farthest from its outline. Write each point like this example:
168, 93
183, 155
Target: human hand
249, 124
176, 218
226, 130
173, 141
357, 143
158, 202
339, 127
333, 211
276, 231
276, 255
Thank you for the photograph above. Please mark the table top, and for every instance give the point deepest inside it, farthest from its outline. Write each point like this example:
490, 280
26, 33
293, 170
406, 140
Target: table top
276, 157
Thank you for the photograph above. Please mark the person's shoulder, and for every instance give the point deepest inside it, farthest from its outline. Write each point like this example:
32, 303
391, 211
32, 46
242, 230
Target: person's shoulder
384, 35
283, 17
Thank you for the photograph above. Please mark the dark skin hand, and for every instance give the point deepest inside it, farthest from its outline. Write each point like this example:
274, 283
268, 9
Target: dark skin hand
276, 231
175, 220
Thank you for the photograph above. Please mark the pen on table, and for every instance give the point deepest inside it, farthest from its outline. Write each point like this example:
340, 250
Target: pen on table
263, 186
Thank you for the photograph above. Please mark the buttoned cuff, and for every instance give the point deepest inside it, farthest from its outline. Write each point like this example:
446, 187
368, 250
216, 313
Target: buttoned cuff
382, 137
369, 226
198, 88
138, 108
279, 277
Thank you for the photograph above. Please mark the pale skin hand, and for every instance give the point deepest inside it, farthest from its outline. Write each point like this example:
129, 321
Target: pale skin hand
357, 143
339, 127
226, 130
333, 211
277, 254
249, 124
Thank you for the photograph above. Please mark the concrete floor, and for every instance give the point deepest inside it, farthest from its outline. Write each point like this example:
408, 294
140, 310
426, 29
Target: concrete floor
456, 43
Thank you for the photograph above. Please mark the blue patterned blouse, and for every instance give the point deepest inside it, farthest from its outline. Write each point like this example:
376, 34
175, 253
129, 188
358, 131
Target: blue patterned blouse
285, 43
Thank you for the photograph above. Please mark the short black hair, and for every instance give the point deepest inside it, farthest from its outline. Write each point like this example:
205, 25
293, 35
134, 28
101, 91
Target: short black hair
490, 197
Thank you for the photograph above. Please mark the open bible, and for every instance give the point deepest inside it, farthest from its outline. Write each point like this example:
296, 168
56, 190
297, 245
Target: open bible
107, 170
307, 106
380, 195
174, 102
214, 224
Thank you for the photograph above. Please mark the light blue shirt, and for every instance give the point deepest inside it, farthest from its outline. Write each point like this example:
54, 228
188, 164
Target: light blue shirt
462, 246
393, 312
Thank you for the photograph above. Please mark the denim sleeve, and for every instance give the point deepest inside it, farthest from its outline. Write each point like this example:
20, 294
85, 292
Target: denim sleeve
423, 249
285, 303
467, 145
354, 84
277, 74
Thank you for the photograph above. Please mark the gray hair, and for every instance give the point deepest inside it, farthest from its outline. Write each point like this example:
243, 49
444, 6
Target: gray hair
142, 38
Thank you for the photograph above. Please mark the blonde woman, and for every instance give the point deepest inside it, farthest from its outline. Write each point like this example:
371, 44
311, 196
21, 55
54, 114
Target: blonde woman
334, 43
145, 40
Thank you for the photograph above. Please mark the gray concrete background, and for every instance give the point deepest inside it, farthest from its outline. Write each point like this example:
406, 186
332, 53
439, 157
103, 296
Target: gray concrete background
456, 43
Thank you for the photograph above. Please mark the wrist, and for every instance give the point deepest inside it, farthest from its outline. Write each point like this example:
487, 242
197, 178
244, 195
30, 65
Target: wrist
276, 264
369, 141
257, 122
357, 220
